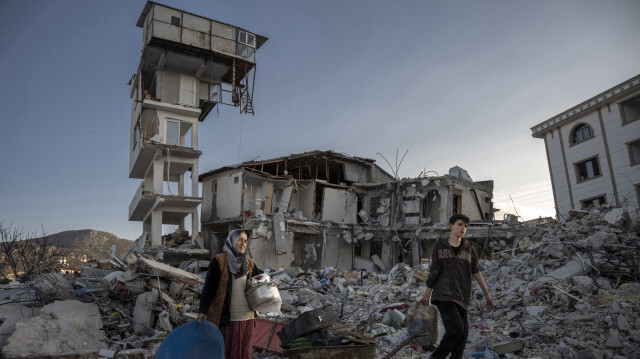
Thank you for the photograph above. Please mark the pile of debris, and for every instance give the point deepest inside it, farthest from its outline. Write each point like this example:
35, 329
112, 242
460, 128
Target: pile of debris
563, 290
567, 290
116, 309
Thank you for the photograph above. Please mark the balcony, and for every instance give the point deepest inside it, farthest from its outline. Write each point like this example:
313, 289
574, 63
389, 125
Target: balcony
173, 207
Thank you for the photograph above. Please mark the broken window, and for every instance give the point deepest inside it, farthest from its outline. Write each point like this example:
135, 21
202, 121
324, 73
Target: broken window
581, 132
175, 21
592, 202
630, 110
431, 205
359, 208
456, 205
487, 209
634, 152
587, 169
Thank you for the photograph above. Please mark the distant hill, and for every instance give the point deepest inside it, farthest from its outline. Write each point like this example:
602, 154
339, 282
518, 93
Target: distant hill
88, 244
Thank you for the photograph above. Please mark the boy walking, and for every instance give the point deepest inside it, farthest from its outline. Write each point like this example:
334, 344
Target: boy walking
453, 262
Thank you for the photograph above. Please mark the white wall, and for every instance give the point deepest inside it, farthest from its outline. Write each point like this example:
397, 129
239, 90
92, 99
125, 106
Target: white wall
207, 200
626, 176
617, 135
338, 253
304, 198
339, 206
229, 195
263, 252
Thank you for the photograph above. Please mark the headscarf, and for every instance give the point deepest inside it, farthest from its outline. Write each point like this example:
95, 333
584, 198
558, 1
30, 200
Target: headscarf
238, 263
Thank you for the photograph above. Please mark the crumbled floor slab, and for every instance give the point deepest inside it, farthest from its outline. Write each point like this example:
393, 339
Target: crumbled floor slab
63, 328
10, 313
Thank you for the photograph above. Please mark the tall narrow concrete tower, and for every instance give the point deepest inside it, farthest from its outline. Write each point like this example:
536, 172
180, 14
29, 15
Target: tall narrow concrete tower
189, 64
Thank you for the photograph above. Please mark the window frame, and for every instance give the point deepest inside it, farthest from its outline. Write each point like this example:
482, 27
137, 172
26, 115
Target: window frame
632, 160
171, 121
623, 115
577, 127
577, 172
244, 39
193, 91
603, 196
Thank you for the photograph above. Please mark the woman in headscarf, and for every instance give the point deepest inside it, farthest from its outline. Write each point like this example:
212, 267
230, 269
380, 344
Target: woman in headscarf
223, 301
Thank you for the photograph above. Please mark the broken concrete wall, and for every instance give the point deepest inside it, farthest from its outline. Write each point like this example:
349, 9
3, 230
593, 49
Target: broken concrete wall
356, 172
337, 252
263, 248
339, 206
263, 195
168, 86
378, 175
303, 198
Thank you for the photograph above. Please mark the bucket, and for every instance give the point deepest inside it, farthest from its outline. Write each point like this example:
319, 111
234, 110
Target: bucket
264, 297
422, 321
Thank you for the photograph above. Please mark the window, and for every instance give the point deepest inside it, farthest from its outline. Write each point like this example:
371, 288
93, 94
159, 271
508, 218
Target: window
630, 110
173, 132
187, 91
593, 202
456, 205
247, 38
587, 169
581, 132
178, 133
175, 21
634, 152
246, 45
487, 208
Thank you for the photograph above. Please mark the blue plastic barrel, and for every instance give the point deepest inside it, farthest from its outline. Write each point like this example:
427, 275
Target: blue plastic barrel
193, 340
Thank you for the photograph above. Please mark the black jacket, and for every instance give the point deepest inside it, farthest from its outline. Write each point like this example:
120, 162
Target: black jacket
450, 274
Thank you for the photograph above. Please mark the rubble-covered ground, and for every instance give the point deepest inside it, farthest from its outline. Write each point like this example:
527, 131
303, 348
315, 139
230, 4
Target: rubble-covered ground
563, 290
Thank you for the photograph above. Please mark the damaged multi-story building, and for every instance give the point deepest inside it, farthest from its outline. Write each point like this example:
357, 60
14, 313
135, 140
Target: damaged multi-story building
323, 208
189, 64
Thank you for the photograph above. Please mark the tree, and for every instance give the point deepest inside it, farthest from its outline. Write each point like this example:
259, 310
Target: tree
24, 257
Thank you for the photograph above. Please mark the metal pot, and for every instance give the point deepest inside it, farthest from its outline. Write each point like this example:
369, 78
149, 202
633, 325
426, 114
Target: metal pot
264, 297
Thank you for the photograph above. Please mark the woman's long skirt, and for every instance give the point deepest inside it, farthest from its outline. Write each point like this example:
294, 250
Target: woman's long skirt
237, 339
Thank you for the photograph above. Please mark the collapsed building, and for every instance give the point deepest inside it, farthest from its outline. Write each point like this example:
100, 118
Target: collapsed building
563, 290
324, 208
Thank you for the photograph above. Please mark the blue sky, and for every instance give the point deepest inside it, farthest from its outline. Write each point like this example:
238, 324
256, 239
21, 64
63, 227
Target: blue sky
456, 83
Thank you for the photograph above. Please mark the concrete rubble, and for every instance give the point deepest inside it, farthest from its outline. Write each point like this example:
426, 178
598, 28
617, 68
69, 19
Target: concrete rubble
561, 290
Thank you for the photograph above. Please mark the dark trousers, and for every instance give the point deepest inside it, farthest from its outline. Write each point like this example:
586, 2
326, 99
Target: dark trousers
456, 330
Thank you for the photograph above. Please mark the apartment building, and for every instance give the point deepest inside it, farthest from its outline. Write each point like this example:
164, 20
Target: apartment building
593, 150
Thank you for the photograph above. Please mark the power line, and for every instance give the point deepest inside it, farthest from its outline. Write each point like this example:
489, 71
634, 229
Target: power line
528, 189
523, 196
